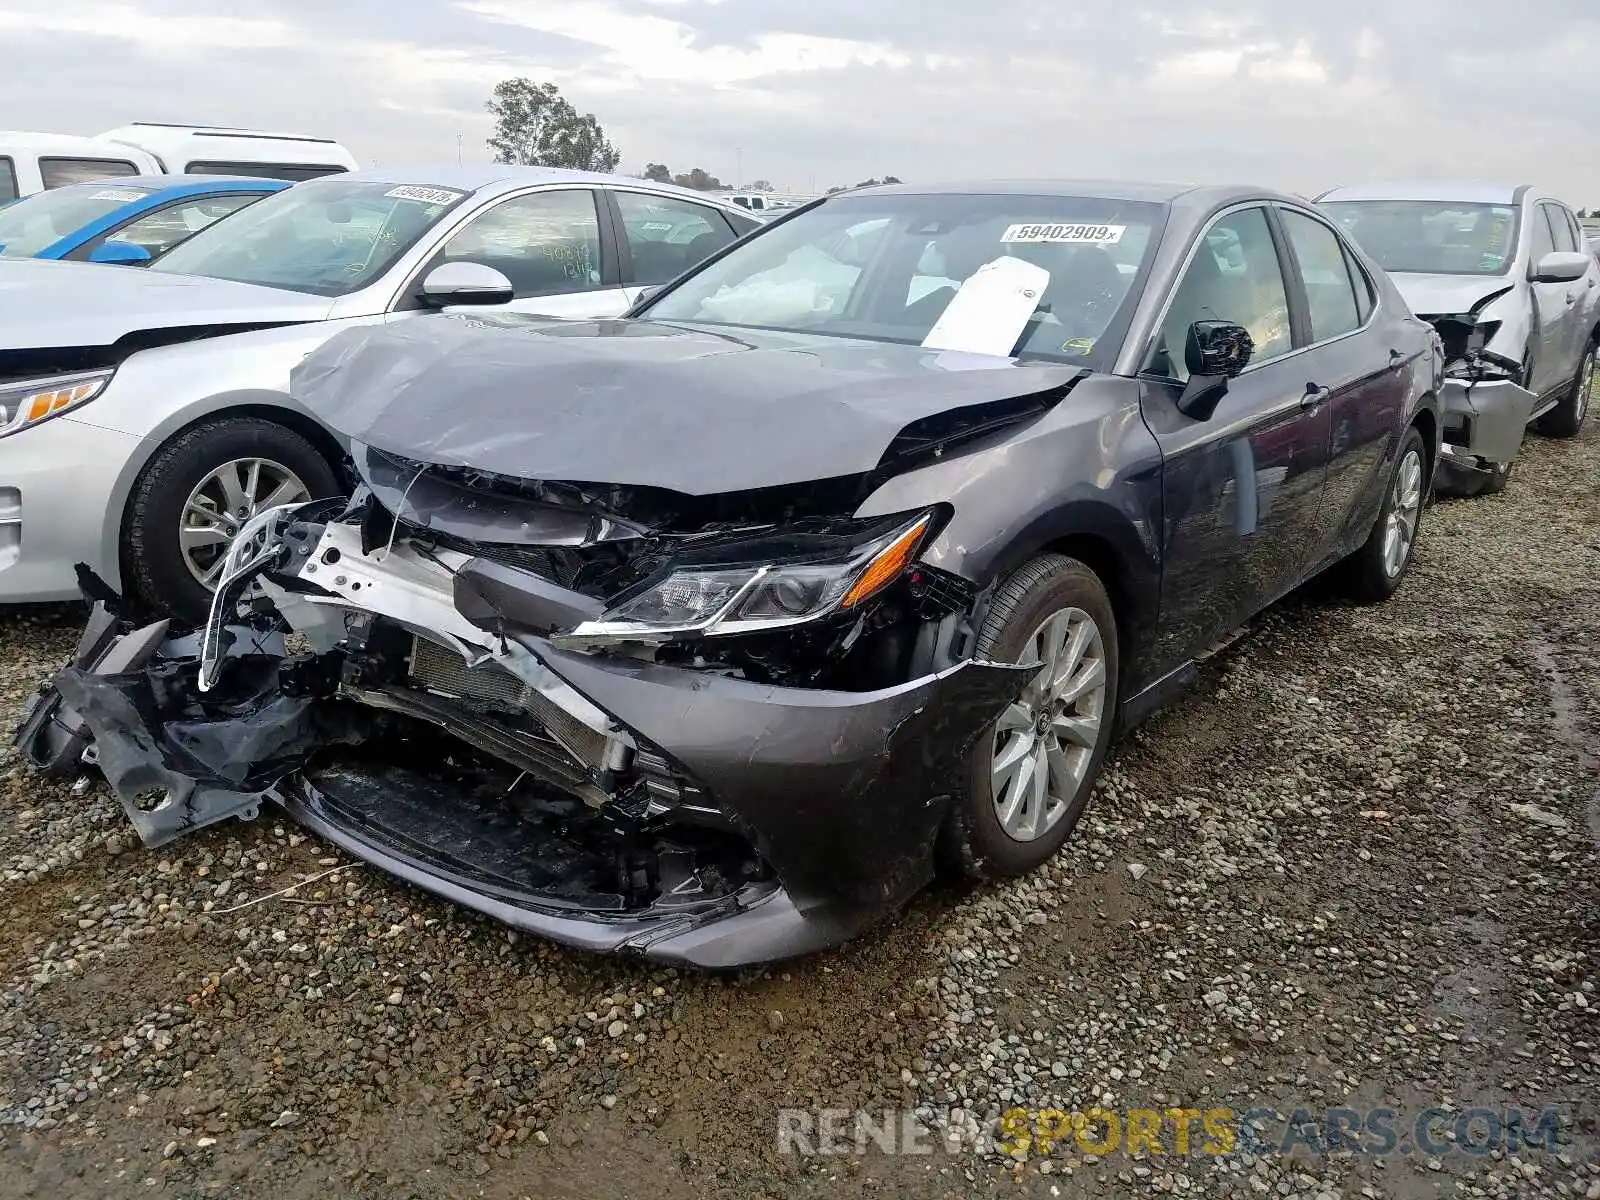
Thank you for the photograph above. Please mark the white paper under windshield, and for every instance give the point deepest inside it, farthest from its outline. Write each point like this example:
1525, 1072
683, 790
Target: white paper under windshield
990, 310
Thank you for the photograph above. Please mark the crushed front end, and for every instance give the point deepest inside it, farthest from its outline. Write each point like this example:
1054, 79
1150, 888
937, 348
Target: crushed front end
1486, 403
711, 730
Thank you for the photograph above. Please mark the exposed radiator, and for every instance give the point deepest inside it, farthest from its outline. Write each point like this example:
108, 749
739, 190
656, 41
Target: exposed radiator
492, 688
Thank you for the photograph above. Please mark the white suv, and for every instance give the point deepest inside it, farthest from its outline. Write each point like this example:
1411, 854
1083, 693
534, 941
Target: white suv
1504, 274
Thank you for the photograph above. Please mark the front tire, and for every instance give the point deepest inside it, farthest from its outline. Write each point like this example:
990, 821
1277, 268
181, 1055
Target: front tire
197, 490
1566, 418
1029, 779
1373, 573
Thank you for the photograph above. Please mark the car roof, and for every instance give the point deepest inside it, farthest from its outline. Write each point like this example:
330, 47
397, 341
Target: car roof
28, 139
505, 176
1188, 195
177, 181
1457, 192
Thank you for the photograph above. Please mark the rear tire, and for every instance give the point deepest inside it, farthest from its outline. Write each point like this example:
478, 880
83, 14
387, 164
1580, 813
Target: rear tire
155, 564
1055, 738
1566, 418
1373, 573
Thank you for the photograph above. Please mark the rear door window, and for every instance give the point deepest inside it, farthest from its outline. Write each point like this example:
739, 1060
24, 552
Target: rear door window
1330, 296
59, 172
667, 236
8, 180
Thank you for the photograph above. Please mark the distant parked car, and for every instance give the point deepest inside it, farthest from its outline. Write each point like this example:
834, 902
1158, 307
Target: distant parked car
37, 162
227, 150
1503, 273
131, 220
140, 457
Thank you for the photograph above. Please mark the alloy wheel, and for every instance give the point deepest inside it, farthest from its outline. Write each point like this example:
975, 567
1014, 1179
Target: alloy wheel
223, 501
1044, 743
1405, 507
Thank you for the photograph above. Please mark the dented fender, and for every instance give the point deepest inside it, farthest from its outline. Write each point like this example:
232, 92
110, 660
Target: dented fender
842, 792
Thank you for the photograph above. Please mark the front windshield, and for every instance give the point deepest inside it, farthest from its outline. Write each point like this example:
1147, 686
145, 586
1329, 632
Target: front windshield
39, 221
1431, 237
1031, 276
327, 237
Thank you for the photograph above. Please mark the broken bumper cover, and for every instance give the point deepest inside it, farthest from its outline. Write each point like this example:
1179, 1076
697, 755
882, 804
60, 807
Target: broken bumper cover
842, 794
1484, 423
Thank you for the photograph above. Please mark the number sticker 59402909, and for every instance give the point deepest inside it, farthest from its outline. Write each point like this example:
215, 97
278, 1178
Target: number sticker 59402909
1080, 235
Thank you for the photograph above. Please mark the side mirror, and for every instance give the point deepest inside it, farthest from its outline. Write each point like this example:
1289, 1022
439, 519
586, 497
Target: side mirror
465, 283
1214, 352
124, 254
1561, 266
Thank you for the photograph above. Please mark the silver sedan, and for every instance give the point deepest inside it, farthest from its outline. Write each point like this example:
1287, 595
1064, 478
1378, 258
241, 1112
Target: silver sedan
146, 414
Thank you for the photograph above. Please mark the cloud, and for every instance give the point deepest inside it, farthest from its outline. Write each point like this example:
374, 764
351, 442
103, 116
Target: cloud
639, 47
833, 91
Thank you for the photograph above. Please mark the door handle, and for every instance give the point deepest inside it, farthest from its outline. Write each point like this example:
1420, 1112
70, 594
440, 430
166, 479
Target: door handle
1314, 396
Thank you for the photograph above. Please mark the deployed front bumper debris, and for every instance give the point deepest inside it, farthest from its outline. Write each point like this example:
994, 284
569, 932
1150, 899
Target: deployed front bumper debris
1486, 408
597, 799
1484, 426
123, 705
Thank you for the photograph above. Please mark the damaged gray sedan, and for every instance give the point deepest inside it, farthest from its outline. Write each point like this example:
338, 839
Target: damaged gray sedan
707, 633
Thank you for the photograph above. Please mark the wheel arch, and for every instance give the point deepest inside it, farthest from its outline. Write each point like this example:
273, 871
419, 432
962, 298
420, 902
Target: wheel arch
266, 406
1106, 541
1426, 422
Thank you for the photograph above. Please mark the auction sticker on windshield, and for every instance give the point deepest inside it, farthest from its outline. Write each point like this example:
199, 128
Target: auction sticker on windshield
122, 195
428, 195
1077, 235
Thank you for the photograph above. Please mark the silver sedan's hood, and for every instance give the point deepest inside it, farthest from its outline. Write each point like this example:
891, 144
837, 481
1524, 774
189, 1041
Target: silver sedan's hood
48, 304
1436, 295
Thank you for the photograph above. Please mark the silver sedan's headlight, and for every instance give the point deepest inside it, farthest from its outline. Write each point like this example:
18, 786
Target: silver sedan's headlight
713, 601
27, 403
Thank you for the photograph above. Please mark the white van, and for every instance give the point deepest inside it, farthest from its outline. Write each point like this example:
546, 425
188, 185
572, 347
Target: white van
754, 201
33, 162
215, 150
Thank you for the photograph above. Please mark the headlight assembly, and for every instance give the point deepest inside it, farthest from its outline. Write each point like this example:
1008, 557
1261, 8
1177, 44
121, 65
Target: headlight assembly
714, 601
26, 404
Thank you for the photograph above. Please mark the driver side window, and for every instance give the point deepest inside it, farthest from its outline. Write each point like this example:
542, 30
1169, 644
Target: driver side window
1234, 276
545, 243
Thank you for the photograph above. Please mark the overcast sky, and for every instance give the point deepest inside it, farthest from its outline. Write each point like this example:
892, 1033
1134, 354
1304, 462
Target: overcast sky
1293, 93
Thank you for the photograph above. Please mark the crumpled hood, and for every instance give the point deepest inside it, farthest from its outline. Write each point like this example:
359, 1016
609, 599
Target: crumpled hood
692, 409
45, 303
1438, 295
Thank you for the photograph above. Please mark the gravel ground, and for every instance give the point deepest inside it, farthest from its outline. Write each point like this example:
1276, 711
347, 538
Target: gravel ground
1356, 866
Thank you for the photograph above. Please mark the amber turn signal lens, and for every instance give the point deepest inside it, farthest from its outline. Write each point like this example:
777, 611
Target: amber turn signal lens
45, 403
888, 566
